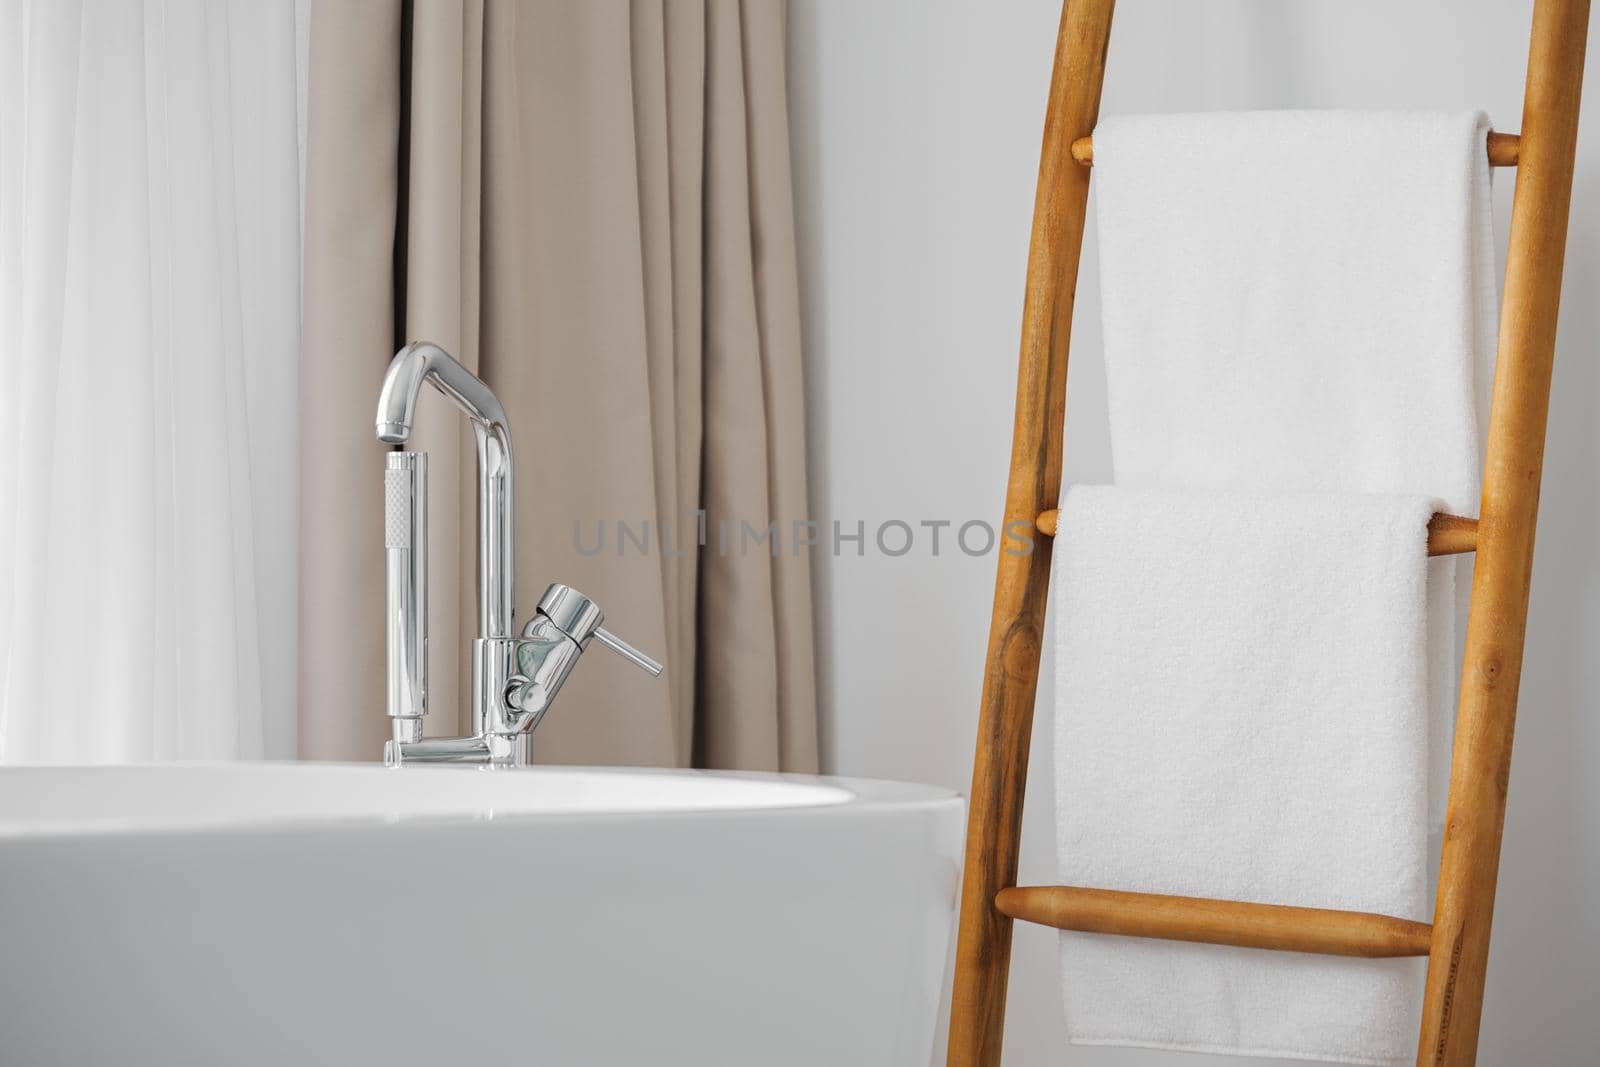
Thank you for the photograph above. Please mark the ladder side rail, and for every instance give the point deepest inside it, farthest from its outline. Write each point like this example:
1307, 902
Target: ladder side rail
1011, 671
1514, 458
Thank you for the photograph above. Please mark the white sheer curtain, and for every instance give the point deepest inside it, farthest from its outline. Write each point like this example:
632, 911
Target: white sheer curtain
149, 327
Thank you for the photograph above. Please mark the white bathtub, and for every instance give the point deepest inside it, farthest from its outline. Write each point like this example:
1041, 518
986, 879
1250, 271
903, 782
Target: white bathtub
305, 914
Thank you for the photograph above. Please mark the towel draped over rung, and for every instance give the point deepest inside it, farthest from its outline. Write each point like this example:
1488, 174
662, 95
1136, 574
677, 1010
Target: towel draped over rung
1504, 149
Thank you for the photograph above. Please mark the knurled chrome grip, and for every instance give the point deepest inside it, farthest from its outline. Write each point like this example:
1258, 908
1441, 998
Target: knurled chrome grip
405, 541
399, 488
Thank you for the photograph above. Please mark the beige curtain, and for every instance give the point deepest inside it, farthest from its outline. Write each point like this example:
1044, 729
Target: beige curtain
589, 204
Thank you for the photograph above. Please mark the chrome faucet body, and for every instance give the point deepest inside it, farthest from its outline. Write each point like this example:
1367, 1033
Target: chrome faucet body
420, 362
514, 678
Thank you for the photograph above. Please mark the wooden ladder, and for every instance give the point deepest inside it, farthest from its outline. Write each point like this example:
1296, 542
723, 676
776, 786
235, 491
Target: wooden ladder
1457, 941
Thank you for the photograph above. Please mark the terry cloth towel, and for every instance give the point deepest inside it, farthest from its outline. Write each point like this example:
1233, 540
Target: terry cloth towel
1296, 300
1304, 300
1240, 694
1292, 302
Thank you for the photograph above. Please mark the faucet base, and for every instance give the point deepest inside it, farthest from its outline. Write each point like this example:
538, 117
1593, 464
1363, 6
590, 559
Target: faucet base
489, 751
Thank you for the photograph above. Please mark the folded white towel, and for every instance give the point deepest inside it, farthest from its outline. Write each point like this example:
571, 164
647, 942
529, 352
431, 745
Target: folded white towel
1296, 299
1240, 714
1292, 301
1304, 300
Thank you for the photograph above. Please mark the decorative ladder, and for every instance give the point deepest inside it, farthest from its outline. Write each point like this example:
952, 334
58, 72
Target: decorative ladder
1457, 941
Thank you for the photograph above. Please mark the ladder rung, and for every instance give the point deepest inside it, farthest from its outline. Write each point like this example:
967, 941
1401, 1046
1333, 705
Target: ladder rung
1450, 534
1216, 922
1447, 534
1503, 149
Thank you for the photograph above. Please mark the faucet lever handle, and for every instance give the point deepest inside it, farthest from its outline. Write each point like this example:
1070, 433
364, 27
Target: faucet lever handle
628, 652
579, 618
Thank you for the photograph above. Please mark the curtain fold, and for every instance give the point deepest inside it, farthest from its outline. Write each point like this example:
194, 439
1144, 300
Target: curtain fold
149, 291
594, 213
353, 113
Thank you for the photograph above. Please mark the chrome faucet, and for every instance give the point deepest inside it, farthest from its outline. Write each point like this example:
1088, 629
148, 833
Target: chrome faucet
514, 679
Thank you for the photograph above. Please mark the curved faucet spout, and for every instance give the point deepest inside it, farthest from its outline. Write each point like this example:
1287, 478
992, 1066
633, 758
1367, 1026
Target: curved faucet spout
421, 362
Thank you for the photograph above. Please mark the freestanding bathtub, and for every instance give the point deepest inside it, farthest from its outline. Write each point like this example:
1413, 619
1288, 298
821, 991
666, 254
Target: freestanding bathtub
316, 914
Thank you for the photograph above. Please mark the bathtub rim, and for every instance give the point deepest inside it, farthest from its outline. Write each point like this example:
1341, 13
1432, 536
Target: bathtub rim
864, 795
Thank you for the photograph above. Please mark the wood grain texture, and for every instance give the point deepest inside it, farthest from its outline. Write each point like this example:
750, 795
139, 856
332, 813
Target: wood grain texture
1503, 150
1011, 671
1513, 463
1216, 922
1448, 535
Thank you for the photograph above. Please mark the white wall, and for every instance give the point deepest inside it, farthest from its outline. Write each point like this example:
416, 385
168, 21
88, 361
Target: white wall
916, 133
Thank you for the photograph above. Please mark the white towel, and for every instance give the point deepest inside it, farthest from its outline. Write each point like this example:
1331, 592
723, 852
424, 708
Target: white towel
1297, 299
1304, 300
1292, 301
1227, 728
